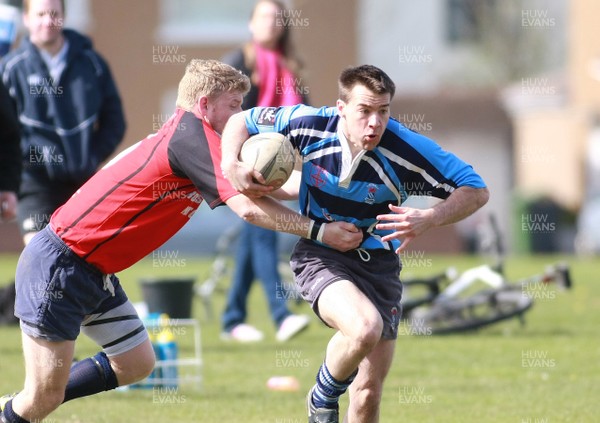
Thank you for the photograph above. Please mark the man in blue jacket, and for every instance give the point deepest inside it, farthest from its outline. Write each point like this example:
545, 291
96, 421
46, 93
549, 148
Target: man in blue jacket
10, 163
69, 109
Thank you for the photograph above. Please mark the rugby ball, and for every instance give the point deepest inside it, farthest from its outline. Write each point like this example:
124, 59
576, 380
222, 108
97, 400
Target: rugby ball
272, 154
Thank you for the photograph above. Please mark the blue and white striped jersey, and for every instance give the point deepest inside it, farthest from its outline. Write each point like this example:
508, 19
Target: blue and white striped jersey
336, 187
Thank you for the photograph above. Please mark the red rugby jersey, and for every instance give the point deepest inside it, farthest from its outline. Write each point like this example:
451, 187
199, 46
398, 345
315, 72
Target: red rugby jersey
146, 194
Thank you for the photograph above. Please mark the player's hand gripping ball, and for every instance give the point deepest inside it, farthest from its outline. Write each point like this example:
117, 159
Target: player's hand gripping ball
272, 154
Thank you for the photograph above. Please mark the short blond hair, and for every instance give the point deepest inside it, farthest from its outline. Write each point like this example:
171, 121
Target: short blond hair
209, 78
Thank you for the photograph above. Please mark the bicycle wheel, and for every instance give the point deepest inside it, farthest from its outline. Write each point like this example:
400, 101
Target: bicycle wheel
464, 314
418, 292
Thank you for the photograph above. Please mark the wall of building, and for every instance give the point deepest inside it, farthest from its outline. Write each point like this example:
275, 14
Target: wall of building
147, 68
549, 156
584, 56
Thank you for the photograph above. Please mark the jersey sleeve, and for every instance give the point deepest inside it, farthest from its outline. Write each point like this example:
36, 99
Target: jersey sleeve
278, 119
267, 119
198, 157
426, 168
295, 122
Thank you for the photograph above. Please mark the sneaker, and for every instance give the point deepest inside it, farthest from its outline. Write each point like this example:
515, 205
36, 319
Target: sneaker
243, 333
292, 326
320, 415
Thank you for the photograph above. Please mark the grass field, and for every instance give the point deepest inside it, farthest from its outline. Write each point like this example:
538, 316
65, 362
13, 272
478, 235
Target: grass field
546, 371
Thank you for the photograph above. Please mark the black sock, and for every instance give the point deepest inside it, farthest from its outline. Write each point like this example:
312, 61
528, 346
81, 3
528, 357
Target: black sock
90, 376
10, 416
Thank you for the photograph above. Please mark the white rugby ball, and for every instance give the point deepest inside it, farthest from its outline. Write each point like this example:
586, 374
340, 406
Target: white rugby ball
272, 154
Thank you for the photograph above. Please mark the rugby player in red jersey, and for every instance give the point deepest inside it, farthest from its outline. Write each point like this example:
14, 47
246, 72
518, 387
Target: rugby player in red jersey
65, 276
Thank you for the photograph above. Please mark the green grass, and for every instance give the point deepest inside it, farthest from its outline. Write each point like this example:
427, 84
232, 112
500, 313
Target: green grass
548, 370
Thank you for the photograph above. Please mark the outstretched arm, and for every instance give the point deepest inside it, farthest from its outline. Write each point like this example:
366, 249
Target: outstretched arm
270, 214
408, 223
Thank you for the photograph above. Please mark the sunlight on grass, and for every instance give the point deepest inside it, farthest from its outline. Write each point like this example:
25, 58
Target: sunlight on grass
546, 370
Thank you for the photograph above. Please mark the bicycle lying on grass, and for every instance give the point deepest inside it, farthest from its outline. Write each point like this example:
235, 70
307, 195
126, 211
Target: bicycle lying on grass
446, 303
451, 302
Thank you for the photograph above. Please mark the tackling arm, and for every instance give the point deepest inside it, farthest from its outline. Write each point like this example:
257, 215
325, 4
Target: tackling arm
270, 214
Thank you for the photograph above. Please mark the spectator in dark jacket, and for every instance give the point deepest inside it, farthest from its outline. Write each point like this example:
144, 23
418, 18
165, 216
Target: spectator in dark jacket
69, 109
10, 157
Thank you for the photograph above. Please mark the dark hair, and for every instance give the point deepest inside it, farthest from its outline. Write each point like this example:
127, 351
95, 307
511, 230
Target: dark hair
284, 45
370, 76
26, 6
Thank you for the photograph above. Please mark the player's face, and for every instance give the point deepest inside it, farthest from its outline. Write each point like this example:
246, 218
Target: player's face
221, 108
264, 25
44, 20
364, 117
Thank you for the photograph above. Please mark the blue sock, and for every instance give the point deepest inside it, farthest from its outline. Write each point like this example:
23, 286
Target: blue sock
90, 376
328, 389
9, 415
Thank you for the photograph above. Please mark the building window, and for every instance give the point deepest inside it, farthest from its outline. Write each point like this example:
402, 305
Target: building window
202, 22
464, 19
16, 3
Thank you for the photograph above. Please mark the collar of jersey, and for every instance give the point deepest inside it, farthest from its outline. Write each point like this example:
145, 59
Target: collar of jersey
349, 165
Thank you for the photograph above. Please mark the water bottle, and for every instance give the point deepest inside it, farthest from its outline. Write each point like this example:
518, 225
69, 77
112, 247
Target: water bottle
157, 372
167, 350
151, 322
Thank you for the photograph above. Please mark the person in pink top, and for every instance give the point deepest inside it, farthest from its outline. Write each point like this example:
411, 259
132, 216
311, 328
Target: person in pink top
270, 62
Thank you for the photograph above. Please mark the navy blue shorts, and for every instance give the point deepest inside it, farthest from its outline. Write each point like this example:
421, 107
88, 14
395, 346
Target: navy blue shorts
375, 272
56, 289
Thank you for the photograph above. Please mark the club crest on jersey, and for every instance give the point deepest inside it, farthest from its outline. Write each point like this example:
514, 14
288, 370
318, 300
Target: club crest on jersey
317, 175
371, 191
267, 116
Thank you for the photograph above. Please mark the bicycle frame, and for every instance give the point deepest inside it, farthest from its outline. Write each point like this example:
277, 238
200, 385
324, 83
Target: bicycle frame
461, 282
443, 310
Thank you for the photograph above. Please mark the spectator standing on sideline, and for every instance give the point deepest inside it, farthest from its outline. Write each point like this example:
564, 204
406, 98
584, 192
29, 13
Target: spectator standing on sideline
359, 166
10, 174
270, 62
69, 110
10, 161
10, 157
